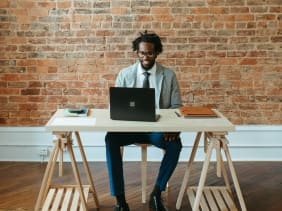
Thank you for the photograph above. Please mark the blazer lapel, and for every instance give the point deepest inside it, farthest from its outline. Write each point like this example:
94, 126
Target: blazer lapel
159, 81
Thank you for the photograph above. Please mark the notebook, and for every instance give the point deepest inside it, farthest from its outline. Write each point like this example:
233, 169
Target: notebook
133, 104
197, 111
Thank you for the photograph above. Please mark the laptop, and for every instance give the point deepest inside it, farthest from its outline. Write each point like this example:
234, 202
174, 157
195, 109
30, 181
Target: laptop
133, 104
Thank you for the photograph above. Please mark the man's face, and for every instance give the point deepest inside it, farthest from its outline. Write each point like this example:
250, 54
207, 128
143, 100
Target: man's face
147, 55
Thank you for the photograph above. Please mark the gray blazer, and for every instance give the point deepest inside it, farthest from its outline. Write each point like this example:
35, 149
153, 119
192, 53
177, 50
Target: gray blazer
167, 88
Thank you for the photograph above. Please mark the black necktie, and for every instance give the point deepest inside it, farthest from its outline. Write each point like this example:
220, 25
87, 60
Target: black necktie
146, 83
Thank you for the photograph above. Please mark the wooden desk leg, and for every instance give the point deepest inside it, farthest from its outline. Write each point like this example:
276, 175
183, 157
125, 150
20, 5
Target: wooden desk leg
61, 159
77, 176
233, 174
48, 183
218, 159
187, 171
46, 177
87, 169
203, 176
144, 172
225, 176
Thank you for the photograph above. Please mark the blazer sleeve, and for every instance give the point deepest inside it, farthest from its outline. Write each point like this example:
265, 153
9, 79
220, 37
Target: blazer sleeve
170, 92
176, 101
119, 80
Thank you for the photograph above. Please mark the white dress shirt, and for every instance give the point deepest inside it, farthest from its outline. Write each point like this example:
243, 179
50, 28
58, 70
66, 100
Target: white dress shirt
141, 76
152, 79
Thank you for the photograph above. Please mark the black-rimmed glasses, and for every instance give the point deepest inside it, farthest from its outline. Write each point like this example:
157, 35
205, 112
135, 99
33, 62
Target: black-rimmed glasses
143, 54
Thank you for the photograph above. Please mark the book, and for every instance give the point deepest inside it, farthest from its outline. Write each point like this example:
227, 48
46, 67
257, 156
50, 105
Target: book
76, 112
196, 111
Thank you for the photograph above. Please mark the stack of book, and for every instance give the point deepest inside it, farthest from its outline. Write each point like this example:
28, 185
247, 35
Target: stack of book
76, 112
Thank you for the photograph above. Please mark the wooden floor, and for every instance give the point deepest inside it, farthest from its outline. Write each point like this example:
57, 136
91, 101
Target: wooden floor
261, 184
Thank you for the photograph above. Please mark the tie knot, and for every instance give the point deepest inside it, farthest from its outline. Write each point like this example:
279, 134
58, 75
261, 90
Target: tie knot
146, 73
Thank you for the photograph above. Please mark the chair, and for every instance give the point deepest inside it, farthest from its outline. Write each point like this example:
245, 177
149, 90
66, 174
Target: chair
143, 168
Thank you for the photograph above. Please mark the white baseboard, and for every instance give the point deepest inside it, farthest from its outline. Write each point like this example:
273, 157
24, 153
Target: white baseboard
247, 143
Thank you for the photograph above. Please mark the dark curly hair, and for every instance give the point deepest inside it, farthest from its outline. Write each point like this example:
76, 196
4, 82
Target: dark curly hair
150, 37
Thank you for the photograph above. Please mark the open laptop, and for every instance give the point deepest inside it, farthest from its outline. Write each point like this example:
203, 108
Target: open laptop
133, 104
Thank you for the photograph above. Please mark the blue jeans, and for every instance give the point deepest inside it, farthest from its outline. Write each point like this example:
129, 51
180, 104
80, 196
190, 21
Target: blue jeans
114, 140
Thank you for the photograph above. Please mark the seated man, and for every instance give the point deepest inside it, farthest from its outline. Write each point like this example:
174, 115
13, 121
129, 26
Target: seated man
146, 73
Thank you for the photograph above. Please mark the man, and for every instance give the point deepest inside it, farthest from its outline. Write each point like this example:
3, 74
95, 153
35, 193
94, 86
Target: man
147, 46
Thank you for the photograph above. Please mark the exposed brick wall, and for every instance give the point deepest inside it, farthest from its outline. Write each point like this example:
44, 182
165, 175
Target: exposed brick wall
56, 53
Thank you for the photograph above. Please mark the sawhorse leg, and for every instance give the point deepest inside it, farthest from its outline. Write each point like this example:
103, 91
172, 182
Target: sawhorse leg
47, 177
187, 171
87, 169
64, 140
233, 175
217, 142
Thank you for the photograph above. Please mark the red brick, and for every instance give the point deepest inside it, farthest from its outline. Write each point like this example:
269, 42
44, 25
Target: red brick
160, 11
248, 61
4, 3
10, 77
30, 91
18, 99
64, 4
17, 84
244, 18
119, 11
9, 91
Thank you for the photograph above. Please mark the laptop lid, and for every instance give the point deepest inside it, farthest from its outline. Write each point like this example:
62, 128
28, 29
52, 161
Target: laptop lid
132, 104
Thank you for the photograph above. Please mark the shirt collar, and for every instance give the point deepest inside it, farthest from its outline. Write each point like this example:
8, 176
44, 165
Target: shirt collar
151, 71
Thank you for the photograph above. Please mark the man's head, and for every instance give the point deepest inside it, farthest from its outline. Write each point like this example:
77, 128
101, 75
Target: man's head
147, 46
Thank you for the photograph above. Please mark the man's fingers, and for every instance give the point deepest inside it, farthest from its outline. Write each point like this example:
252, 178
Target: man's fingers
170, 137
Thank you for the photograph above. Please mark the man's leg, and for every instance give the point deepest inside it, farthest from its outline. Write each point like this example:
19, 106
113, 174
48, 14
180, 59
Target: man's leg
168, 165
169, 162
114, 162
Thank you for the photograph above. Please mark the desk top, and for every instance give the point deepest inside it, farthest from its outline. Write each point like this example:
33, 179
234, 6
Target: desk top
99, 120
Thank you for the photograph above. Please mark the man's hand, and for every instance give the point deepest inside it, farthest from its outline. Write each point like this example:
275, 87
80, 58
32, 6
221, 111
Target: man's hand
171, 136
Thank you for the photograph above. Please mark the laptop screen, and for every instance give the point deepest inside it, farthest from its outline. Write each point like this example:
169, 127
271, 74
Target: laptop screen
132, 104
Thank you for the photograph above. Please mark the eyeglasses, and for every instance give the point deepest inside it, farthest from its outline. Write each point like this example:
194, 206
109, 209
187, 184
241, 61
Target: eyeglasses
143, 54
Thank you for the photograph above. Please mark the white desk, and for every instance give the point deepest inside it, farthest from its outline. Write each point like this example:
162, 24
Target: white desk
214, 130
167, 122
